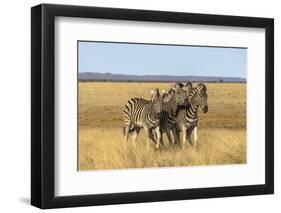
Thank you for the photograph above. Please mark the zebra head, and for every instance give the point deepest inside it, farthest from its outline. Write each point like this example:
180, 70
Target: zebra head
188, 86
156, 103
199, 97
167, 95
180, 93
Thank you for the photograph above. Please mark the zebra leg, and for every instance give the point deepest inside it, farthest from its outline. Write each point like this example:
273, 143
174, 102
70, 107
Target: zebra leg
153, 135
184, 136
172, 136
178, 134
147, 132
135, 134
167, 130
194, 136
176, 138
161, 138
158, 136
190, 135
126, 134
191, 138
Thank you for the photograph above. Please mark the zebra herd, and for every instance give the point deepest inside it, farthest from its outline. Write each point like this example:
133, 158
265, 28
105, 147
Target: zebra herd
169, 112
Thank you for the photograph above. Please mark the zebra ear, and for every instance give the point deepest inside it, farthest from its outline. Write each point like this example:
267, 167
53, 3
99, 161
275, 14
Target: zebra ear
165, 97
188, 86
178, 85
172, 91
201, 86
157, 93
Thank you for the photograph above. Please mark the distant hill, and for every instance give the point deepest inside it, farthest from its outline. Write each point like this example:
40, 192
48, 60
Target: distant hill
95, 76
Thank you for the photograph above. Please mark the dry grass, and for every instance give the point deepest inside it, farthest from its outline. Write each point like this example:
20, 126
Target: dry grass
222, 131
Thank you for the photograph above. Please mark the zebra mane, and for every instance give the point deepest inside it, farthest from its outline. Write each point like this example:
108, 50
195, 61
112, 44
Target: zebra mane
201, 86
194, 90
191, 94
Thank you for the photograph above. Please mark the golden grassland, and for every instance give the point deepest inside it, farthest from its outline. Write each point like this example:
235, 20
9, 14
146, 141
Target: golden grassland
221, 132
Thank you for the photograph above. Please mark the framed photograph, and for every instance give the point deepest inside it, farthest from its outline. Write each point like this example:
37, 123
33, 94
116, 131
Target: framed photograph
136, 106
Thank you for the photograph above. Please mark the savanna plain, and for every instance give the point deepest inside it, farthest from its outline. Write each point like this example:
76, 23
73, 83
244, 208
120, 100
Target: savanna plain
221, 131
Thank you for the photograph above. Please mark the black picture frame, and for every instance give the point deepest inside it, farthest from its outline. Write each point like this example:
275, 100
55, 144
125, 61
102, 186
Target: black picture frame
43, 110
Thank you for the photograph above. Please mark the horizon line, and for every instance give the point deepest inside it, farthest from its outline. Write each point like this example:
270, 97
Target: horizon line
164, 75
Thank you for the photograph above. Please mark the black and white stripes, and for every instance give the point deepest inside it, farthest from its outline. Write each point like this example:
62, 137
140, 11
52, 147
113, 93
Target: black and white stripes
140, 113
187, 117
170, 113
177, 97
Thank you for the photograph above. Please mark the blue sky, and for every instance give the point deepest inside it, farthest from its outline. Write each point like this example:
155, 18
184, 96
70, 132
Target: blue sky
145, 59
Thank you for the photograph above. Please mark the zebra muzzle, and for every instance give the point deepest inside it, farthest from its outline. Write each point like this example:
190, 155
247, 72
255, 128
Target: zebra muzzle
159, 115
205, 109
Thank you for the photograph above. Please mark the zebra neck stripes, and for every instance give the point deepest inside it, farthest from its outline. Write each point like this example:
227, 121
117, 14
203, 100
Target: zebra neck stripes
191, 109
143, 114
152, 118
170, 111
191, 95
191, 114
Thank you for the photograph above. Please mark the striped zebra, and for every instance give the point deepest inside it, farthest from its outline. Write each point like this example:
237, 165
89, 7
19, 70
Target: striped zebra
187, 118
171, 92
140, 113
176, 98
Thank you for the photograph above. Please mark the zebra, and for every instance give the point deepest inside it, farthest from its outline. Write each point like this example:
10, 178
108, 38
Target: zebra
171, 92
140, 113
187, 118
176, 97
167, 95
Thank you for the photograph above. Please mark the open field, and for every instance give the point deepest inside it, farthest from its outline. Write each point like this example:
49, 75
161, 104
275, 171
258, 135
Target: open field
221, 132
